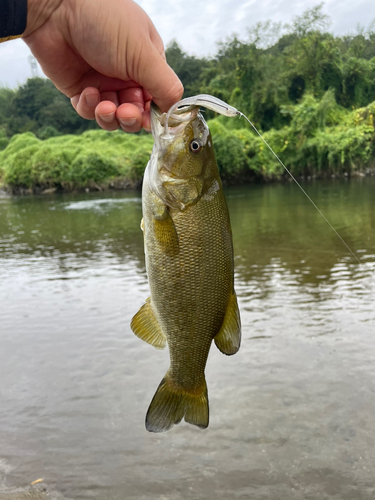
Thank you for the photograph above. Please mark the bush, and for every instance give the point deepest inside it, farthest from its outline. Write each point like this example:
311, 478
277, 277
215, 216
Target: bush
322, 139
93, 168
47, 132
4, 141
74, 161
137, 165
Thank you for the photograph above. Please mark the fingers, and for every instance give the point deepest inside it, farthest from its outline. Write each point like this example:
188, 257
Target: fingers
86, 102
105, 115
146, 124
129, 117
133, 95
126, 109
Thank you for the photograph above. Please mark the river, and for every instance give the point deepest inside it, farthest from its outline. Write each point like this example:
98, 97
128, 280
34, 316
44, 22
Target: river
292, 415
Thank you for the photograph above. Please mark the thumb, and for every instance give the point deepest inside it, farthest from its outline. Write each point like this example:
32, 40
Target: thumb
159, 79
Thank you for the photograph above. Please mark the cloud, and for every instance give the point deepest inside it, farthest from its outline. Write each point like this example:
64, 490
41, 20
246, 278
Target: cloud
198, 25
14, 65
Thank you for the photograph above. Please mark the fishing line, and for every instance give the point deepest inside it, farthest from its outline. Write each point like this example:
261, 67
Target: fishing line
221, 107
301, 188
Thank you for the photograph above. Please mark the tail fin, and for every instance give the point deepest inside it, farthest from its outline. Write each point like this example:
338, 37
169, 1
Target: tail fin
170, 404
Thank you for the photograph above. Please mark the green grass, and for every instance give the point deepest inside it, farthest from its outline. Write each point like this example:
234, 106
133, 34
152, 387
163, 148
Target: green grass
322, 139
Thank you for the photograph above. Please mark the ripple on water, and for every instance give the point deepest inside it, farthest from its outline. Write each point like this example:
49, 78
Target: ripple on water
292, 411
99, 205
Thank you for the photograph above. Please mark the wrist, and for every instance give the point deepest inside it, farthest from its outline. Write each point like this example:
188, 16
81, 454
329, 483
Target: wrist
38, 12
13, 15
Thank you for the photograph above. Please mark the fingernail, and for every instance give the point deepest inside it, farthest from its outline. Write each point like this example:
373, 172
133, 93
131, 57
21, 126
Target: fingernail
92, 99
128, 123
74, 100
108, 117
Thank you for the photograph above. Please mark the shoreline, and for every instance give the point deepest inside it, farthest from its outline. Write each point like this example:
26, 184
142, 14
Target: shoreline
126, 185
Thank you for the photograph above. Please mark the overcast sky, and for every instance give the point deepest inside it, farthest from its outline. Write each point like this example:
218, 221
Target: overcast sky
198, 24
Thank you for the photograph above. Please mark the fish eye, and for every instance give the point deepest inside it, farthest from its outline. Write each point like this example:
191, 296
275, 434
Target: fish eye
195, 146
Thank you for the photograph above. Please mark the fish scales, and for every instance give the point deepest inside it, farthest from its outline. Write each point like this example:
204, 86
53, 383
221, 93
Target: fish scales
189, 261
198, 296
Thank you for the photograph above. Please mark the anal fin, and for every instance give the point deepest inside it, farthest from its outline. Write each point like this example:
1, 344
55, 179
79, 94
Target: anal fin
228, 339
146, 326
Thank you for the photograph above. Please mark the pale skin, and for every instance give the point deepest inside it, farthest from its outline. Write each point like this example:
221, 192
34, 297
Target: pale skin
106, 55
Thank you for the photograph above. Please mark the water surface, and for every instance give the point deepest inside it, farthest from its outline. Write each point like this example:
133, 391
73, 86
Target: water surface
292, 415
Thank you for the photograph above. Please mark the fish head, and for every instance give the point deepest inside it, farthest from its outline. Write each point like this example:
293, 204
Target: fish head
183, 161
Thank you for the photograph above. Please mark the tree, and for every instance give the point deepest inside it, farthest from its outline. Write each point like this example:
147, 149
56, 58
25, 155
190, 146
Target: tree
188, 68
38, 104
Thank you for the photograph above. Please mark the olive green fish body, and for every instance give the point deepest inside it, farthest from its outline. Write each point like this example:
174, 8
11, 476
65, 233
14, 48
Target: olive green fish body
189, 261
190, 282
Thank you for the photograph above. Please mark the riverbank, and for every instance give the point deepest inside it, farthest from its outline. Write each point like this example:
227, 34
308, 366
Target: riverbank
125, 185
71, 162
322, 140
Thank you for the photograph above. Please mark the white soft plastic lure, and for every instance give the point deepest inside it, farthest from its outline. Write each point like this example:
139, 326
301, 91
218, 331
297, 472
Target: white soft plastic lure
221, 107
205, 100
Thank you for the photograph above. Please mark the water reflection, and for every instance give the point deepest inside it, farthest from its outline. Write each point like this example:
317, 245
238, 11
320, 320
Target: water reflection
69, 228
292, 414
270, 222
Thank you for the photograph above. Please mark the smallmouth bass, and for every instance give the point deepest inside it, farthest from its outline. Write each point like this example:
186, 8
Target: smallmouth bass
189, 262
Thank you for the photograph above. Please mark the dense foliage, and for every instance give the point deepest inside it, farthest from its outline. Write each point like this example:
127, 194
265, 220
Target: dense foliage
310, 93
95, 159
322, 138
277, 65
38, 107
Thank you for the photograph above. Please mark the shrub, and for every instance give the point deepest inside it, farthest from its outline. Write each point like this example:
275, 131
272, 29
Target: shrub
321, 139
47, 132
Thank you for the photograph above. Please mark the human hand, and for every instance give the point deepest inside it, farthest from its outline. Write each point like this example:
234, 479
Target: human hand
106, 55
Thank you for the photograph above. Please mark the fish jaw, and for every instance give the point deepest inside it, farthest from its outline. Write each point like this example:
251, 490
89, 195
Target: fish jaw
177, 173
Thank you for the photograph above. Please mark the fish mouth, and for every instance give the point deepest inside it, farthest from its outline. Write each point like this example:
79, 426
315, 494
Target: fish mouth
177, 121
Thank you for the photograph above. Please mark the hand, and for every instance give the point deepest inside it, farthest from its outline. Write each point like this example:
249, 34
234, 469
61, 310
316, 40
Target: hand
106, 55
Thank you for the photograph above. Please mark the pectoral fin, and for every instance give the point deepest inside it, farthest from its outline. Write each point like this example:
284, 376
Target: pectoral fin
228, 339
145, 326
166, 234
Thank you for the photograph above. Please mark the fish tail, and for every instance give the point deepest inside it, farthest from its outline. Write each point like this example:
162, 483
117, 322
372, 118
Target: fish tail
172, 403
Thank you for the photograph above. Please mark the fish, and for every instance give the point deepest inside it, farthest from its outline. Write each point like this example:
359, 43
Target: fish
189, 263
